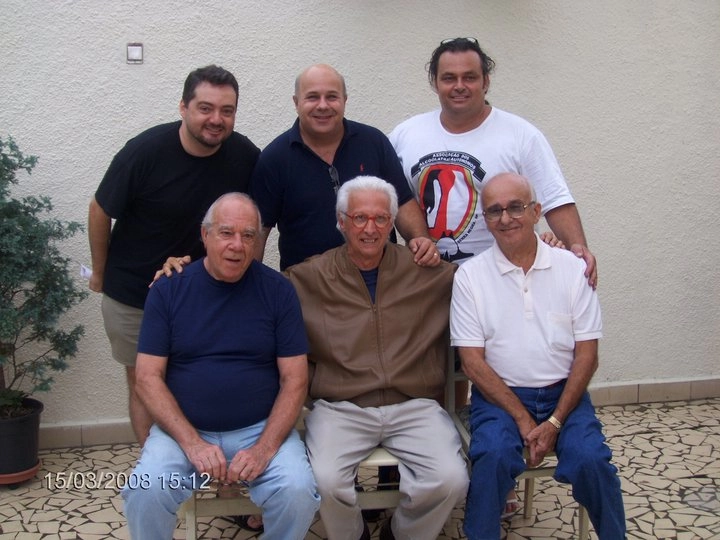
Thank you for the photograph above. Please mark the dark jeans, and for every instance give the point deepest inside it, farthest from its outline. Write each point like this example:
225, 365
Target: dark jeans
583, 461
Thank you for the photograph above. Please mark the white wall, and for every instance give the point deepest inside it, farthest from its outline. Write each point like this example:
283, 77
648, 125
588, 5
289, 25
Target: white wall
627, 92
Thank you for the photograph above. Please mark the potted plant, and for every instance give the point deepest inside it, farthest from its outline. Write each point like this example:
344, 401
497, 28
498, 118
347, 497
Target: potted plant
36, 289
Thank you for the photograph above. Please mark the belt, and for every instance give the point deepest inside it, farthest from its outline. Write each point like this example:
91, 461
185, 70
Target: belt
553, 385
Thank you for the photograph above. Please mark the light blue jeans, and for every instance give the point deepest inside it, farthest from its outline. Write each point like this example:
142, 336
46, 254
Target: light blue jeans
163, 479
583, 461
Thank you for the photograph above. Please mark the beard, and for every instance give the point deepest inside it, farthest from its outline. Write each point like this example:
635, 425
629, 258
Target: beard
208, 142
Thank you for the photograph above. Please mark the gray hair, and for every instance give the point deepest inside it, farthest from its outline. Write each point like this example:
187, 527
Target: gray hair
366, 183
208, 220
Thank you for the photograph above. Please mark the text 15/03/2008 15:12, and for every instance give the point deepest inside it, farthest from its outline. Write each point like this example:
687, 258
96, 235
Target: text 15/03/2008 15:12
81, 481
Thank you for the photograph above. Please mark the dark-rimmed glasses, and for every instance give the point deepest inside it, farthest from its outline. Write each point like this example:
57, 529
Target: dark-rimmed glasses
515, 210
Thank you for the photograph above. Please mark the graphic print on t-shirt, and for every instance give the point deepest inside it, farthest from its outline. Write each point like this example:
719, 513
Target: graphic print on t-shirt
449, 191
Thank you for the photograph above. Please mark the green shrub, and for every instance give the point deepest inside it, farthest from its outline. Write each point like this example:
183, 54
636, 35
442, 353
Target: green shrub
36, 288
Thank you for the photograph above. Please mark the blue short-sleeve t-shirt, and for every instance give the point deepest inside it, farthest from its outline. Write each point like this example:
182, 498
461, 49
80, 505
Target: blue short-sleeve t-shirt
222, 341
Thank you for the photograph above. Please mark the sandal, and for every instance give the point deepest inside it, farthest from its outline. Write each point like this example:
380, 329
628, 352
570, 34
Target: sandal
244, 523
512, 507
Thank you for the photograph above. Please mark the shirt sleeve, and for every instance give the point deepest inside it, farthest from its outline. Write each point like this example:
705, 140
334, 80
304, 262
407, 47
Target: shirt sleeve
393, 172
466, 329
290, 336
154, 335
113, 193
586, 314
541, 167
266, 190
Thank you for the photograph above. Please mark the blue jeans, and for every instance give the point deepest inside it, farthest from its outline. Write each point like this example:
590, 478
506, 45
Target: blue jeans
163, 479
583, 461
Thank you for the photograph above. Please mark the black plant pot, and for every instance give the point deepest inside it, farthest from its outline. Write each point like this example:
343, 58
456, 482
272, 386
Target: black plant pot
19, 444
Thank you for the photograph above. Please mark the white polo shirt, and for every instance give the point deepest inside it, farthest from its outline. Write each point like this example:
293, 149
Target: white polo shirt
527, 323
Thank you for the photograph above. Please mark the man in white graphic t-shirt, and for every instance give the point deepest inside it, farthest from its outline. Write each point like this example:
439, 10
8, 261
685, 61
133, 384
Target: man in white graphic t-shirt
448, 154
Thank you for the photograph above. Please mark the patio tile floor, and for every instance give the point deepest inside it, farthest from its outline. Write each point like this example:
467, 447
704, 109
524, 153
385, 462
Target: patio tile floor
668, 455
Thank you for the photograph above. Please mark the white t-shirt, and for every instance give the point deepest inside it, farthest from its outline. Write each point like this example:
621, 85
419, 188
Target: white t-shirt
527, 323
446, 172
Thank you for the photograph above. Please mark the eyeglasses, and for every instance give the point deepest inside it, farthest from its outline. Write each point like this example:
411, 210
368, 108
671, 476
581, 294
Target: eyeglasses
514, 210
335, 177
360, 220
472, 40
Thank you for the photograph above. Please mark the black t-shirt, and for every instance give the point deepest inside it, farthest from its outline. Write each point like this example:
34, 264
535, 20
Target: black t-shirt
158, 195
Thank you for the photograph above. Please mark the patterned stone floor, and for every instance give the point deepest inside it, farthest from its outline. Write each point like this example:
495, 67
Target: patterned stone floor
668, 455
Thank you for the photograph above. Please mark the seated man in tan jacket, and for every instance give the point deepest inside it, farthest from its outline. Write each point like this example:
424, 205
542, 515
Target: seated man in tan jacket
377, 325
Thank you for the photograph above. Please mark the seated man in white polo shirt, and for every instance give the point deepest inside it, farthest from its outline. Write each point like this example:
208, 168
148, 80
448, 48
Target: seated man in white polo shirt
527, 327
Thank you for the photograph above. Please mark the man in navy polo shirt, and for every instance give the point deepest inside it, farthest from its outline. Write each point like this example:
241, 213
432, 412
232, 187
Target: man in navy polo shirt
297, 176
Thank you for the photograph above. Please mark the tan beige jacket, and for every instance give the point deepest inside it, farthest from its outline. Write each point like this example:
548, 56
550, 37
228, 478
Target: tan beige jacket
378, 354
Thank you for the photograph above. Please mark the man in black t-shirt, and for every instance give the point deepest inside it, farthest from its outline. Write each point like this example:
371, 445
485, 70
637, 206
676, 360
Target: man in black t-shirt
157, 189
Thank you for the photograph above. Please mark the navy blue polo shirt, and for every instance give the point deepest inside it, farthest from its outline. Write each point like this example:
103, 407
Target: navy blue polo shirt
294, 190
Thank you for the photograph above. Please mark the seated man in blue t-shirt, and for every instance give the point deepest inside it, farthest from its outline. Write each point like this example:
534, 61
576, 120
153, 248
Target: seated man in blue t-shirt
222, 368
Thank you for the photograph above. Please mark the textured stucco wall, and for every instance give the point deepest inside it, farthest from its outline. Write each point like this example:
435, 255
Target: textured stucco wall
627, 92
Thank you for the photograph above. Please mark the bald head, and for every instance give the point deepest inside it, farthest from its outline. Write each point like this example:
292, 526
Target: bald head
232, 198
319, 71
319, 99
507, 181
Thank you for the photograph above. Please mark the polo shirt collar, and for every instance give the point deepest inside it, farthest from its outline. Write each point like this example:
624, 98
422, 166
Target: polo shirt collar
542, 257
